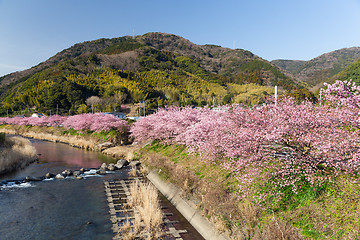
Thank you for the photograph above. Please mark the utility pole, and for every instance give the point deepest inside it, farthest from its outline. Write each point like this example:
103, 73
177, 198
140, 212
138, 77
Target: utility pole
144, 108
57, 109
276, 95
139, 108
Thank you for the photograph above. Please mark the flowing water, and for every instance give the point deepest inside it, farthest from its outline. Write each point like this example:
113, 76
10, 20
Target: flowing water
57, 209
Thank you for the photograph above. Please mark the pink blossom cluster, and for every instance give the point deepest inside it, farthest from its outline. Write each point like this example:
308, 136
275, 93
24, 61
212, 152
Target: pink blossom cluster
54, 120
287, 141
92, 122
95, 122
342, 93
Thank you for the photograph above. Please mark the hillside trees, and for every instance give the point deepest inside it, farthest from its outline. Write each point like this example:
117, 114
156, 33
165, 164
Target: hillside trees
165, 70
352, 72
114, 87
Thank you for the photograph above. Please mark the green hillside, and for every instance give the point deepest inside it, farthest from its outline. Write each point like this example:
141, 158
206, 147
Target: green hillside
158, 68
292, 66
320, 69
352, 72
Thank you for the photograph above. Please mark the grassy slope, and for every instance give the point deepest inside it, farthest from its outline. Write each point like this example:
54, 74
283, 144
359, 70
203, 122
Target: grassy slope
325, 212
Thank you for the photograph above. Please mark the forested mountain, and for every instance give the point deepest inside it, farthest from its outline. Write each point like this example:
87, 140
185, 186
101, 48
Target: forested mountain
157, 67
322, 68
351, 72
290, 66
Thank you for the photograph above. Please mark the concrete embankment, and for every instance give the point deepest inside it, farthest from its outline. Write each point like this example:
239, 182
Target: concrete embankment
173, 194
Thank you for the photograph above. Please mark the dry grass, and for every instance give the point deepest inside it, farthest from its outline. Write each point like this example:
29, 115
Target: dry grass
53, 135
143, 171
56, 135
149, 218
210, 196
133, 172
128, 230
214, 193
72, 140
126, 152
16, 153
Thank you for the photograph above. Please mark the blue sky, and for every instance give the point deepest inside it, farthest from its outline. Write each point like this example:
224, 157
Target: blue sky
31, 31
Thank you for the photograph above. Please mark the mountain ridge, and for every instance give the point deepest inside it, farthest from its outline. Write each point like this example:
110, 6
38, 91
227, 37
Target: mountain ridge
322, 68
203, 52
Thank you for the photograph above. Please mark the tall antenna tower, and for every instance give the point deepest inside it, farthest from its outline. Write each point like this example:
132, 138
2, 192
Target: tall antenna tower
234, 44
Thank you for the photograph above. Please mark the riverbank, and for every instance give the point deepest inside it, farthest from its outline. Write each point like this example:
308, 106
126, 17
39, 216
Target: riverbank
15, 153
107, 143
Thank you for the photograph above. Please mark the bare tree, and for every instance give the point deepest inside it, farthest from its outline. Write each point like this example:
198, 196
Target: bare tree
93, 100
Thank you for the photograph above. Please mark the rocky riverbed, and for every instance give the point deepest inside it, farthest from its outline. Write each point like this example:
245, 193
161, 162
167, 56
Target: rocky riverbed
70, 174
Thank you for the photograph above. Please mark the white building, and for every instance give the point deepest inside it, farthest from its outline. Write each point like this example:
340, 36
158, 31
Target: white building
37, 115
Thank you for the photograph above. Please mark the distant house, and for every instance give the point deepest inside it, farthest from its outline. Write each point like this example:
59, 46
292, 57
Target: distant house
116, 114
37, 115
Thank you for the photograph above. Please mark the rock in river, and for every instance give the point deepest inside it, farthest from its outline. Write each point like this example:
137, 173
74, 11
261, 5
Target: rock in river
59, 176
134, 163
101, 171
104, 166
67, 172
121, 163
49, 175
32, 179
112, 167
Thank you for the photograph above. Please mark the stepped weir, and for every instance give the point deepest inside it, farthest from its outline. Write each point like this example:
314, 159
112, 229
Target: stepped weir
118, 195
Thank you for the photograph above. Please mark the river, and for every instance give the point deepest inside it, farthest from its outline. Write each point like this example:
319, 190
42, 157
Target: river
57, 209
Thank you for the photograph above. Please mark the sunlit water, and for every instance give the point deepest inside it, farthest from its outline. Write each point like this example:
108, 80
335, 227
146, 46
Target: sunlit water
56, 209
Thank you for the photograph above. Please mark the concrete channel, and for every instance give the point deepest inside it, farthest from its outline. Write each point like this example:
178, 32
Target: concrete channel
118, 195
195, 218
